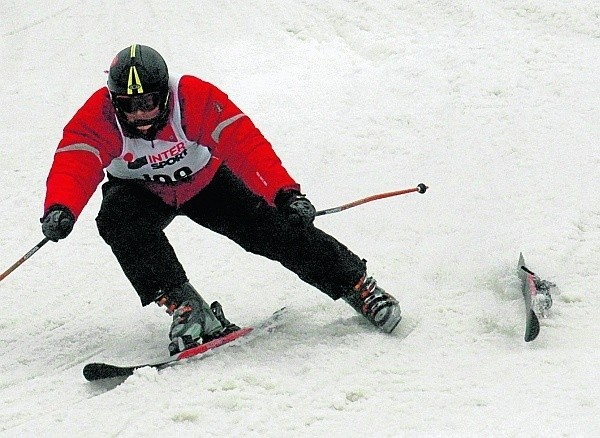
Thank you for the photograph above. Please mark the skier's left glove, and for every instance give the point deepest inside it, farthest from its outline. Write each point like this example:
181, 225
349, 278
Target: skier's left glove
298, 209
57, 222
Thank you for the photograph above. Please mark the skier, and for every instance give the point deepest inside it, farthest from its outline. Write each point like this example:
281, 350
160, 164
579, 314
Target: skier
176, 145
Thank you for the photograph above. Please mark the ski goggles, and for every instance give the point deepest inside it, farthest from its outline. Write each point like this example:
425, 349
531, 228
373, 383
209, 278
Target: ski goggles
142, 102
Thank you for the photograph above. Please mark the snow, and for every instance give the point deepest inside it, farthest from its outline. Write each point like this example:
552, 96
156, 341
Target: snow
494, 104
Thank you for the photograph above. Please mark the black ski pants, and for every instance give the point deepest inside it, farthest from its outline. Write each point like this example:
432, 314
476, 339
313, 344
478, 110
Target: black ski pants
132, 221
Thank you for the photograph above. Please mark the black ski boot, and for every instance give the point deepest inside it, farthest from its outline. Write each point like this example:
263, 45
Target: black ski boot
375, 304
228, 326
193, 321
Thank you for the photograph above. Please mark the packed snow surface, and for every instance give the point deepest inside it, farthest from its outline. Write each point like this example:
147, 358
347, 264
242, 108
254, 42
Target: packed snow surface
494, 104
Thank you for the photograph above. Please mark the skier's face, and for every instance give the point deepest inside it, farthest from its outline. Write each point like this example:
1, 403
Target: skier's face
139, 116
140, 108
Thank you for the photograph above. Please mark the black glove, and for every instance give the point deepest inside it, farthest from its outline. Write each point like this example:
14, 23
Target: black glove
296, 207
57, 222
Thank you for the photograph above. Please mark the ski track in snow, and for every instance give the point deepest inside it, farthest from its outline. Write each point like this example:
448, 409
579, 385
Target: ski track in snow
493, 104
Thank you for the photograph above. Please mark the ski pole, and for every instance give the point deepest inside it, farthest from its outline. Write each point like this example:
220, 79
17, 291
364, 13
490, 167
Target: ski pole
421, 188
19, 262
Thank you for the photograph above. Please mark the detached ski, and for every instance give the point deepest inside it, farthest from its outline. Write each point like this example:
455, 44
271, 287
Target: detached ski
99, 370
538, 299
532, 324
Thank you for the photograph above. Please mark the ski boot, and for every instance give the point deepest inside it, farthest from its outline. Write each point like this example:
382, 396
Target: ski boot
228, 326
193, 321
375, 304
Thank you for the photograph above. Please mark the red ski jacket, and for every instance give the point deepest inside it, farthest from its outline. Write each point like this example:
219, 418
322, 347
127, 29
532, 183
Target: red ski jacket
216, 132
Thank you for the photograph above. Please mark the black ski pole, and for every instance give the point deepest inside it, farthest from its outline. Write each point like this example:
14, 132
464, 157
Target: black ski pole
421, 188
19, 262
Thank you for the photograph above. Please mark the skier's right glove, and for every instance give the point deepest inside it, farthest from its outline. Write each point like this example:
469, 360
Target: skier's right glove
57, 222
298, 209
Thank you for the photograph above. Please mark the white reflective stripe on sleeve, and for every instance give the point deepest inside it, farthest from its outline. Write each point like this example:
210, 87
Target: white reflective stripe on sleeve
224, 124
81, 147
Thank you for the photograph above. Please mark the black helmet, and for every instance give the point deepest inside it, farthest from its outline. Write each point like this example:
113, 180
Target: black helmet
138, 78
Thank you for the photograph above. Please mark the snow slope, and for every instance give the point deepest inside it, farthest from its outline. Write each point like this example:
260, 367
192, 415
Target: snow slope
494, 104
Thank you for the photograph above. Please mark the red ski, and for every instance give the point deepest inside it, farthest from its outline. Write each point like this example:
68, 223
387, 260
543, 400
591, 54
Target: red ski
538, 299
99, 370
